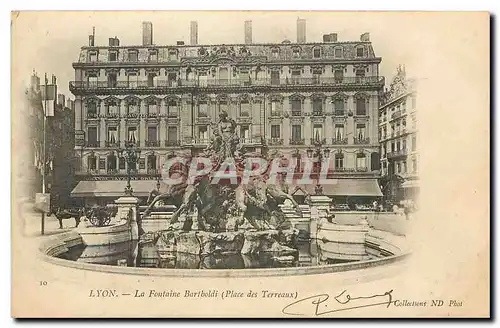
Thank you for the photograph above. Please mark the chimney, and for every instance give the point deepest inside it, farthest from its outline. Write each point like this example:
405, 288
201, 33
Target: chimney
301, 30
248, 32
147, 34
111, 42
194, 33
326, 38
35, 82
365, 37
92, 38
333, 37
61, 99
180, 43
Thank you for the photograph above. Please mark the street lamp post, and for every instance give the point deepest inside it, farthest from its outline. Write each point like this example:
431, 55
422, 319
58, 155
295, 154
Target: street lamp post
131, 156
320, 153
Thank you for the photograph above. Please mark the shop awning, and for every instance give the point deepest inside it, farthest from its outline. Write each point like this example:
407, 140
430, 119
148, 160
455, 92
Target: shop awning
343, 187
410, 184
141, 188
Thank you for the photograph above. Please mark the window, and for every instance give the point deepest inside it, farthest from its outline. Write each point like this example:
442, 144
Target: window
112, 134
361, 161
132, 55
318, 106
296, 107
133, 80
172, 54
172, 134
92, 162
414, 164
275, 108
203, 79
296, 76
413, 143
152, 108
92, 136
132, 134
92, 81
203, 132
245, 77
275, 78
296, 52
404, 144
132, 107
121, 163
93, 57
360, 52
360, 74
152, 80
202, 109
112, 108
317, 53
296, 132
404, 167
275, 131
403, 106
275, 53
338, 53
413, 122
338, 104
112, 80
172, 79
91, 108
339, 131
153, 56
384, 134
245, 132
151, 162
393, 147
172, 108
339, 161
398, 145
152, 134
338, 75
399, 167
112, 56
361, 106
361, 131
112, 162
318, 132
245, 108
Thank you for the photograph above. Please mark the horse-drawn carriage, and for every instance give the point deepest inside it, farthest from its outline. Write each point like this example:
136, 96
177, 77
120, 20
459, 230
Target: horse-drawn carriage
98, 216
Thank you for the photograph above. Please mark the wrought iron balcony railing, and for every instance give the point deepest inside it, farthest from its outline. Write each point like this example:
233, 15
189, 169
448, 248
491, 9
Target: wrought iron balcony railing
277, 113
152, 115
153, 171
297, 141
339, 141
395, 115
297, 113
275, 141
112, 115
112, 144
367, 80
132, 115
338, 112
318, 113
93, 171
397, 154
112, 171
172, 143
314, 141
92, 144
362, 169
92, 115
361, 141
152, 143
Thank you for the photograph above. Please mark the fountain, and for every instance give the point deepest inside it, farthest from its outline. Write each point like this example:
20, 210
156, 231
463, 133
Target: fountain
223, 209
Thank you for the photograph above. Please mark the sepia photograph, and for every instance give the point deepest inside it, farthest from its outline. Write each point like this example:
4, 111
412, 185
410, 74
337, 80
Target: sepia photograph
280, 164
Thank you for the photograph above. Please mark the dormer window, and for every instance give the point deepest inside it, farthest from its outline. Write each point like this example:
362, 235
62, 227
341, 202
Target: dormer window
112, 56
360, 52
132, 55
275, 52
317, 53
172, 54
153, 56
338, 52
296, 52
93, 56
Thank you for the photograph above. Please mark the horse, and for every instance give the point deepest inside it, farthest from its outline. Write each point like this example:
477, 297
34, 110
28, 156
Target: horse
63, 214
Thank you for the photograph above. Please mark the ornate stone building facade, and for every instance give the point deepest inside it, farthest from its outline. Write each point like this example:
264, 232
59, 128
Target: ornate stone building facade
166, 99
398, 138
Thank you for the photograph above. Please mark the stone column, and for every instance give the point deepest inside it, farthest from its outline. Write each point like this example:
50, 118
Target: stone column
128, 209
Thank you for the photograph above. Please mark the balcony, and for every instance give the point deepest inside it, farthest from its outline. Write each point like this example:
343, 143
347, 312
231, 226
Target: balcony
92, 115
201, 141
152, 143
132, 143
397, 154
362, 169
112, 144
152, 171
152, 115
339, 113
112, 115
396, 115
339, 141
112, 171
172, 143
275, 142
297, 113
318, 113
203, 119
248, 141
132, 115
92, 144
93, 171
314, 141
361, 141
210, 83
276, 113
297, 142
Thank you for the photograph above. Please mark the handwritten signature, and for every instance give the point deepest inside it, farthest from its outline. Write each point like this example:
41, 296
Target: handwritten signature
320, 306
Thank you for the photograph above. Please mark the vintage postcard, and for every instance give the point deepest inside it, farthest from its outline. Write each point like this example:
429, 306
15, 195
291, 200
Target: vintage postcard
250, 164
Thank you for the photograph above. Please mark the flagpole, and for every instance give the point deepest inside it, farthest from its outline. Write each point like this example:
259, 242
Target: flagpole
43, 156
